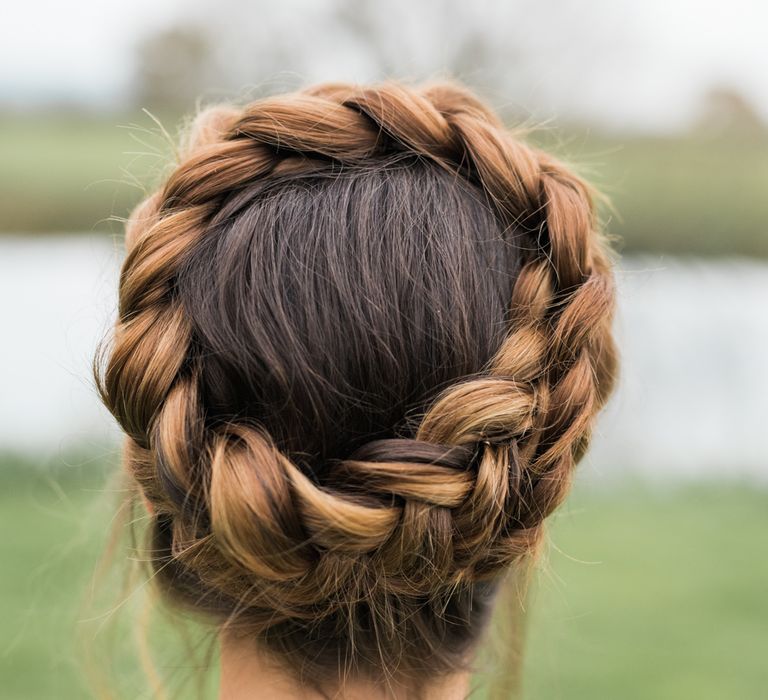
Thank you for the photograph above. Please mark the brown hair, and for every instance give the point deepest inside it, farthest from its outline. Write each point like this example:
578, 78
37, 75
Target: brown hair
363, 335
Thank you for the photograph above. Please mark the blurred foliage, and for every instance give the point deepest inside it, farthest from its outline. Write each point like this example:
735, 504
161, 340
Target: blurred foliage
645, 593
171, 66
702, 193
71, 173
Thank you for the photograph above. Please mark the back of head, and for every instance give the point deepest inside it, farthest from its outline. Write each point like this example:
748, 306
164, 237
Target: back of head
363, 334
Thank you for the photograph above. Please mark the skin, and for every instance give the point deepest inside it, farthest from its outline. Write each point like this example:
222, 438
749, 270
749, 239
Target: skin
246, 674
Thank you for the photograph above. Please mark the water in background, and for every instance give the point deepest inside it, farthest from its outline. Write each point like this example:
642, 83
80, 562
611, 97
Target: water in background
693, 334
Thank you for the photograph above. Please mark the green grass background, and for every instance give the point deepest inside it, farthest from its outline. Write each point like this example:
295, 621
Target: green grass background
694, 193
646, 591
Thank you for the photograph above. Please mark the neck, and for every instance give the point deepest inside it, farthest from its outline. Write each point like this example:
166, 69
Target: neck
247, 673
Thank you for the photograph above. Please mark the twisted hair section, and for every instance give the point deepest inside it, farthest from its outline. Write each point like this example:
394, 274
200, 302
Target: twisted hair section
344, 454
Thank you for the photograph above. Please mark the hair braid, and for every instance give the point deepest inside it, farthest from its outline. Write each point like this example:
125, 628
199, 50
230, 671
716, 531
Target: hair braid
460, 498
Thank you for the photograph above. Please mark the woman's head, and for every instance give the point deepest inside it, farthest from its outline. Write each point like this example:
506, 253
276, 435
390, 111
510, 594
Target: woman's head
363, 335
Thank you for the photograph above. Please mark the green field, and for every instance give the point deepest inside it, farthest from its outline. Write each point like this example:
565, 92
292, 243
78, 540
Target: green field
645, 593
73, 173
698, 194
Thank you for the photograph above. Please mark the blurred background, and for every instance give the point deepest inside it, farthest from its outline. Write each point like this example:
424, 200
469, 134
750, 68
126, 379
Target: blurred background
655, 583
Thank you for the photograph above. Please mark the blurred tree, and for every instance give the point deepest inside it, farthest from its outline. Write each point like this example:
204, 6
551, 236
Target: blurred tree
466, 47
238, 48
726, 108
173, 67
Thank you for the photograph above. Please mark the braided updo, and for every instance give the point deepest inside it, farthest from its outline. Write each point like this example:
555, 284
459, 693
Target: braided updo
363, 335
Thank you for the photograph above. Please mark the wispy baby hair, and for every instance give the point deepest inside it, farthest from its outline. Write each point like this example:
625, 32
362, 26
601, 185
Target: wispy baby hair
363, 335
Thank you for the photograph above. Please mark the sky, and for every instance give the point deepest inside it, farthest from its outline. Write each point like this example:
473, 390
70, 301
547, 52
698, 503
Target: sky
74, 50
637, 64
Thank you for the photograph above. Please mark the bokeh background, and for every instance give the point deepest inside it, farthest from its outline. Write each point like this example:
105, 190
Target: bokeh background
656, 581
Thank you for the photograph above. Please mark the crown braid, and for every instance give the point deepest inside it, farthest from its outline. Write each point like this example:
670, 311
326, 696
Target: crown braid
491, 456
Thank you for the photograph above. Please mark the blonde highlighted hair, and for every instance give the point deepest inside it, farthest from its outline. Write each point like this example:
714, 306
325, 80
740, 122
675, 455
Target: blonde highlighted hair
363, 335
